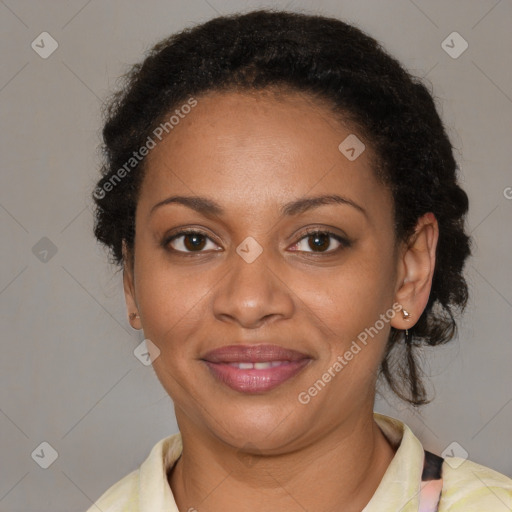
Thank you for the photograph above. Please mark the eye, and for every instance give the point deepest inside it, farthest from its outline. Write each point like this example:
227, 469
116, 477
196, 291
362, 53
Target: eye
188, 241
319, 241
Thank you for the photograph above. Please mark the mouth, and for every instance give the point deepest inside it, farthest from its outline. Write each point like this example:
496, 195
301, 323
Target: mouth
254, 368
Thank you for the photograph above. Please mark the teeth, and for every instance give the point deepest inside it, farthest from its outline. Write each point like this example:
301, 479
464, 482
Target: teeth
264, 365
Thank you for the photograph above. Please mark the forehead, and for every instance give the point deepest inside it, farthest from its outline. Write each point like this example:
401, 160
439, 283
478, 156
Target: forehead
249, 148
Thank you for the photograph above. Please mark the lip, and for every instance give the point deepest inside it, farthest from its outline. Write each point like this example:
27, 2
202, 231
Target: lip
284, 364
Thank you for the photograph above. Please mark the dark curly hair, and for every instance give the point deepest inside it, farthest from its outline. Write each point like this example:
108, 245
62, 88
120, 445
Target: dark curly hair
334, 62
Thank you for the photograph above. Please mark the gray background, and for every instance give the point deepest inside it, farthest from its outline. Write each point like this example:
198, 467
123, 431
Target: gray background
69, 375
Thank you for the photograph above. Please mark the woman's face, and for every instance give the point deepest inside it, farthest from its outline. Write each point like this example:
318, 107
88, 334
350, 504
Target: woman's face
253, 276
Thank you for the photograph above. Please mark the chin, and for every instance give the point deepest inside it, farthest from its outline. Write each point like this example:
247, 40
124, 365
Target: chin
267, 426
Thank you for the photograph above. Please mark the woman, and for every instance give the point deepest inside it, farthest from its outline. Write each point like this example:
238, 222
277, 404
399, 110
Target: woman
282, 197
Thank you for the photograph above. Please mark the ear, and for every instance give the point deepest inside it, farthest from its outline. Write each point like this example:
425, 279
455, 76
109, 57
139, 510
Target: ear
129, 289
415, 271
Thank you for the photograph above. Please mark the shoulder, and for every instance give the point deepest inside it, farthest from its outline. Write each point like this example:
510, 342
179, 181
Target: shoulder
468, 487
123, 496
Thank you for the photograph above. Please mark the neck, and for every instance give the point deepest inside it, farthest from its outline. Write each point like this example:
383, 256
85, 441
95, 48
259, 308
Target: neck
339, 472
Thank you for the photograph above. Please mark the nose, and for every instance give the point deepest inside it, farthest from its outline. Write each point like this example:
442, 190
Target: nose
252, 293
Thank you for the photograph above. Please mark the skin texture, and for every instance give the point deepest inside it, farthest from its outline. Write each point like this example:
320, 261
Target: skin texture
251, 153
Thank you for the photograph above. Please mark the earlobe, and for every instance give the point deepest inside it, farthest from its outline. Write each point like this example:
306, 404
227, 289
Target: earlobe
417, 263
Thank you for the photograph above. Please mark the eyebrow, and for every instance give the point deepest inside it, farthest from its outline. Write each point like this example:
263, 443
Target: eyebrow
210, 208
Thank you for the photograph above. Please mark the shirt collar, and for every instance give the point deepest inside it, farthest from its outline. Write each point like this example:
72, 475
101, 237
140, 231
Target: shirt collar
400, 486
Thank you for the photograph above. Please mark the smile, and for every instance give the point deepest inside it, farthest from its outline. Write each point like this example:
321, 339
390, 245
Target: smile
254, 368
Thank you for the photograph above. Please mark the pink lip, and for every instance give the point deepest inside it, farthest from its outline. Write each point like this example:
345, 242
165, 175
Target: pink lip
222, 364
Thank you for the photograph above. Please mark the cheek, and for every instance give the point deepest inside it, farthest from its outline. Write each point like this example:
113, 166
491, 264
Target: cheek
172, 308
171, 302
355, 304
351, 297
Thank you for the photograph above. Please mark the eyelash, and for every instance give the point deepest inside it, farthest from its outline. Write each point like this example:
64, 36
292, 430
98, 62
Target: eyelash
344, 242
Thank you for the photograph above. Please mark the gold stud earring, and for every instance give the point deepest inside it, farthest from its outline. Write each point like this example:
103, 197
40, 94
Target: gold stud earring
406, 316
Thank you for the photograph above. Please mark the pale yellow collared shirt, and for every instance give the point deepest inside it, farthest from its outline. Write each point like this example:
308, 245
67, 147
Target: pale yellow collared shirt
467, 486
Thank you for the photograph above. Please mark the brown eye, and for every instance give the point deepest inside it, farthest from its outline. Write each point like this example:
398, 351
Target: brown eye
188, 241
320, 241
